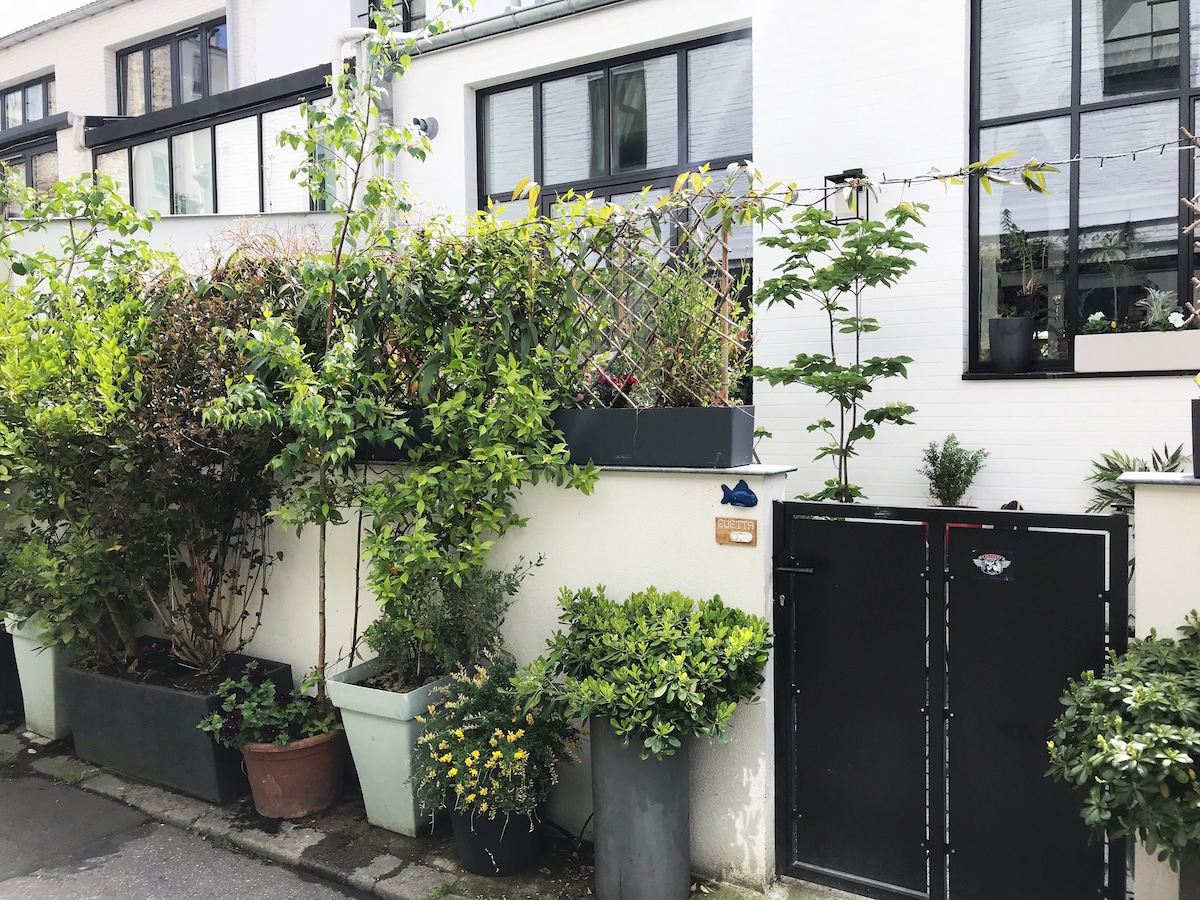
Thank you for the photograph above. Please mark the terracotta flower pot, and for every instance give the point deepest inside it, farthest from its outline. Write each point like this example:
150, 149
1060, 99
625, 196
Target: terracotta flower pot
289, 781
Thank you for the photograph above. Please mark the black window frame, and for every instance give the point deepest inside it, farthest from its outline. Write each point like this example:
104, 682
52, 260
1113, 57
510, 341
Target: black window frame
413, 13
1183, 93
251, 102
44, 83
629, 181
173, 41
24, 156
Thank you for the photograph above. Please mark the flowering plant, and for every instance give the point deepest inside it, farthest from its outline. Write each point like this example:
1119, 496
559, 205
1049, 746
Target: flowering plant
253, 711
1099, 323
481, 747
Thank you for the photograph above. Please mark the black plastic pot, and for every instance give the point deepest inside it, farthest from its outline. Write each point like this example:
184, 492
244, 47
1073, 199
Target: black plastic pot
149, 731
1011, 343
1196, 441
505, 845
642, 820
11, 711
711, 437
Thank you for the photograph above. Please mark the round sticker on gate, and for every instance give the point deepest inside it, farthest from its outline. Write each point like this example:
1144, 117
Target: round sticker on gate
993, 565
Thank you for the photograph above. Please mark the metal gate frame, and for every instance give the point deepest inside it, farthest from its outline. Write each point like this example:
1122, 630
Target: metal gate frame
936, 520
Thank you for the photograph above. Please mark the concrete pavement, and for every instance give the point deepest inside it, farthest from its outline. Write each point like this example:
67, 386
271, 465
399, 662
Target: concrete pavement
70, 831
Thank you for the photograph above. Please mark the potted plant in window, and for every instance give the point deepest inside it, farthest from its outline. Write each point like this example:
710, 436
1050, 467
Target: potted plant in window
651, 673
1010, 334
1165, 339
492, 762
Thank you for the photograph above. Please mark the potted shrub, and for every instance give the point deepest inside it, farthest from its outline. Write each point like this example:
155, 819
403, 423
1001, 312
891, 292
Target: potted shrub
651, 673
420, 636
1128, 742
291, 742
492, 762
950, 469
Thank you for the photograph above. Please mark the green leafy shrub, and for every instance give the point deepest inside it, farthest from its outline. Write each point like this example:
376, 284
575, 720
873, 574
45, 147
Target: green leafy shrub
660, 666
1129, 743
1108, 492
950, 469
483, 746
253, 711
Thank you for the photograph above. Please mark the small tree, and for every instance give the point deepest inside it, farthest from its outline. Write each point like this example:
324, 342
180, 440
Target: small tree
834, 266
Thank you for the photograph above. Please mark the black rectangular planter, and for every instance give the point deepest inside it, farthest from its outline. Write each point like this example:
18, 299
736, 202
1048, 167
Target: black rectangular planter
149, 731
710, 437
1196, 438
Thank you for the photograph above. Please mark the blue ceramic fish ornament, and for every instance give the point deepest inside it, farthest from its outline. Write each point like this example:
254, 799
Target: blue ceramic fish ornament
741, 495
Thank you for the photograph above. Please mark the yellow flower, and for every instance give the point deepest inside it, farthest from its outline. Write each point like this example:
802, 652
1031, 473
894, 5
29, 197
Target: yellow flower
470, 798
443, 746
529, 718
458, 733
483, 806
453, 771
496, 754
445, 757
483, 792
520, 754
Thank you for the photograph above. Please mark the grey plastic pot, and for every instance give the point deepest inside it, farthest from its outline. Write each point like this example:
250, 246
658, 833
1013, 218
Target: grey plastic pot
43, 686
642, 824
382, 729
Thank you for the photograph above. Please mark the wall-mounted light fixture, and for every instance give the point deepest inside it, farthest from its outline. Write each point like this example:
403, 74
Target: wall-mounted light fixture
428, 126
847, 196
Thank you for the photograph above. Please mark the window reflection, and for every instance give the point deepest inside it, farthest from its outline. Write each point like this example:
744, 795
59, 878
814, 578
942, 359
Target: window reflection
508, 140
1129, 47
573, 128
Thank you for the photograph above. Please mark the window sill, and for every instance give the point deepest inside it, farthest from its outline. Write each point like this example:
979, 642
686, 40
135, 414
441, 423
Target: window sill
1046, 376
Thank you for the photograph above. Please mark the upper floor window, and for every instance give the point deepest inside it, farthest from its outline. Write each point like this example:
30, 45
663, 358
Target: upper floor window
174, 69
616, 127
1054, 79
28, 102
37, 166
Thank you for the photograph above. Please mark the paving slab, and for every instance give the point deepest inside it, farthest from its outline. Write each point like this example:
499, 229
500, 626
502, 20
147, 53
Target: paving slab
415, 882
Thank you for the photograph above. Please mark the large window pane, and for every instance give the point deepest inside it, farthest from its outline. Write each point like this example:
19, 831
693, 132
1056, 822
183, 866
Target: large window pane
218, 59
573, 128
281, 193
1024, 56
133, 80
13, 109
1130, 47
720, 101
1023, 240
507, 140
17, 166
1128, 210
34, 102
645, 114
45, 171
192, 170
151, 178
160, 77
116, 166
191, 72
237, 167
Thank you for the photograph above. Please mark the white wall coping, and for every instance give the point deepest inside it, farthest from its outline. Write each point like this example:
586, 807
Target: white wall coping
754, 469
1181, 479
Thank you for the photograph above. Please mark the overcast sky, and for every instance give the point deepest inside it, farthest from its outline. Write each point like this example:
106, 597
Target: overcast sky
18, 14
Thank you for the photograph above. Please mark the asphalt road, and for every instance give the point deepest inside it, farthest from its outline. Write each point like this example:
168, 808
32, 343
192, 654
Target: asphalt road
61, 843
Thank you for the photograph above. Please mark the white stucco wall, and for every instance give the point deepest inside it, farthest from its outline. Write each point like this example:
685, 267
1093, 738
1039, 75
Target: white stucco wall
1166, 508
887, 92
635, 530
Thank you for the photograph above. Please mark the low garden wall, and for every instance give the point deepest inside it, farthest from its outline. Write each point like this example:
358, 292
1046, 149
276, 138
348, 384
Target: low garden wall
640, 527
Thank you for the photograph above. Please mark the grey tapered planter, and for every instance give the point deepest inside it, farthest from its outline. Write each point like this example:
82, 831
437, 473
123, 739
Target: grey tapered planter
382, 729
43, 685
642, 825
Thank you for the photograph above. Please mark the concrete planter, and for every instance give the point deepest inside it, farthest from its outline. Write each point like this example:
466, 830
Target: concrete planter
43, 685
1139, 351
643, 826
382, 729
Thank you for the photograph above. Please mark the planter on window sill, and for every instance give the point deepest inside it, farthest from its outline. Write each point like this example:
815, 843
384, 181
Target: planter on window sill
1138, 351
710, 437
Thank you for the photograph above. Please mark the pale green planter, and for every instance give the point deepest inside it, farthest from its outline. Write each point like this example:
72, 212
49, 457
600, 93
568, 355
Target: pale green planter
382, 728
43, 687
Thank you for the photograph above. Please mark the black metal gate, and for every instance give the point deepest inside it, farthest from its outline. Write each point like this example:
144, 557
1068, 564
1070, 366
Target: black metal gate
920, 657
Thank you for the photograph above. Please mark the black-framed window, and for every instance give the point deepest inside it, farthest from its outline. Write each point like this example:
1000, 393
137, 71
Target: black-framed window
232, 165
36, 164
616, 127
27, 102
1055, 79
412, 12
173, 69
